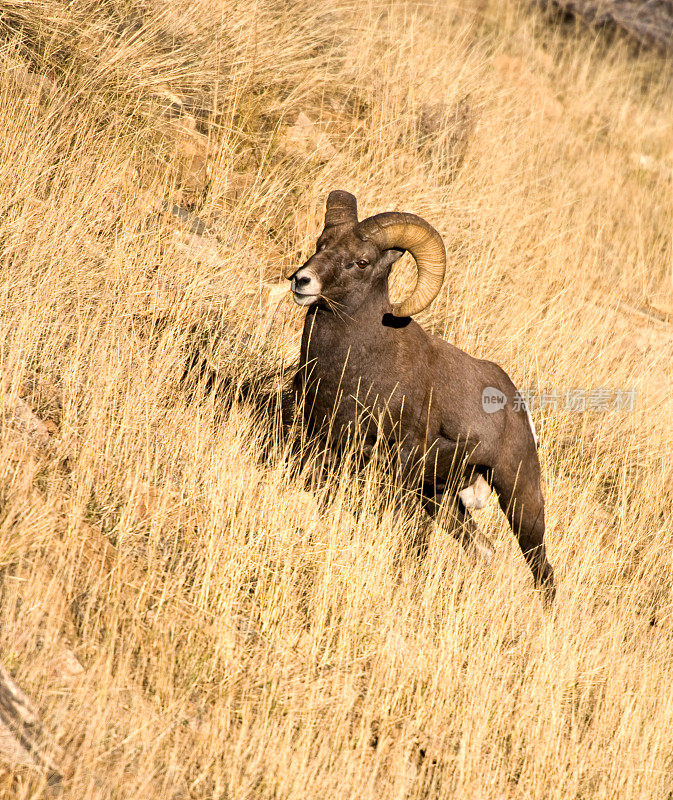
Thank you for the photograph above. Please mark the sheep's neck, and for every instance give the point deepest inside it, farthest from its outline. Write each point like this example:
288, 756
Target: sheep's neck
345, 355
370, 307
331, 332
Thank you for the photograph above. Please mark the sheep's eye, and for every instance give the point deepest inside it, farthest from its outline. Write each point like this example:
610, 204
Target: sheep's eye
362, 262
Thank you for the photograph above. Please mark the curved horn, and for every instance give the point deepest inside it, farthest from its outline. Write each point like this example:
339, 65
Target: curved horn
341, 209
402, 231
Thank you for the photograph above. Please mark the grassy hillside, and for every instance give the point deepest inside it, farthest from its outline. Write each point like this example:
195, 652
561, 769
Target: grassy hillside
188, 621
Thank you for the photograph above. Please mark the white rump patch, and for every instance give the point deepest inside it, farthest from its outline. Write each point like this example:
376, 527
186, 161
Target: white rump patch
476, 494
530, 422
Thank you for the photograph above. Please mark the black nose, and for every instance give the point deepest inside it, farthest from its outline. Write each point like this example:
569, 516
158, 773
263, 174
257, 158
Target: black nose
302, 281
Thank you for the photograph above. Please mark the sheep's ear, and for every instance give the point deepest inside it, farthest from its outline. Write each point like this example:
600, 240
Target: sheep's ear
389, 257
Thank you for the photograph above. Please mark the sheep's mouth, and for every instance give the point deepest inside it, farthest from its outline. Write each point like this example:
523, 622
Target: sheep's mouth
304, 299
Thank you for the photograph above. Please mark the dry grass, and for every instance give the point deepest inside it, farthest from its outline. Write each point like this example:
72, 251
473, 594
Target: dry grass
238, 642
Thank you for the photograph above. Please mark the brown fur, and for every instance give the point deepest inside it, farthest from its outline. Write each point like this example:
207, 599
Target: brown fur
363, 368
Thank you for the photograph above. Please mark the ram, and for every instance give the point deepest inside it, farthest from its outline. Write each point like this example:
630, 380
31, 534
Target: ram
366, 366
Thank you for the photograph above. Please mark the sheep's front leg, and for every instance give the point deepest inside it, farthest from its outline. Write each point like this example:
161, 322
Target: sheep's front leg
422, 473
316, 463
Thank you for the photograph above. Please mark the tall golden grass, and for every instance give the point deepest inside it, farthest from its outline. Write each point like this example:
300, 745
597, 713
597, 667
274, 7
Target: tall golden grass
237, 639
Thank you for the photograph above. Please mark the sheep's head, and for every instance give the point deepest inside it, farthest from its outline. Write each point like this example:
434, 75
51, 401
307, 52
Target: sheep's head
353, 256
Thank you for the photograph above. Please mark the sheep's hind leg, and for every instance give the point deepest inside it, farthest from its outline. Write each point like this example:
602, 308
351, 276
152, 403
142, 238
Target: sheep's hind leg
464, 528
521, 500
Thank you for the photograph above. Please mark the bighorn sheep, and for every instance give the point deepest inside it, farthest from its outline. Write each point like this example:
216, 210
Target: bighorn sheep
365, 365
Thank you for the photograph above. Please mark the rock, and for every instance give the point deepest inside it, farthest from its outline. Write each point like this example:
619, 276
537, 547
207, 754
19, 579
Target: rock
306, 138
396, 647
37, 593
649, 23
273, 295
19, 415
146, 500
474, 11
662, 307
652, 165
24, 742
537, 92
658, 310
237, 186
94, 547
191, 152
64, 666
444, 133
176, 103
59, 661
31, 82
187, 218
51, 427
198, 248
